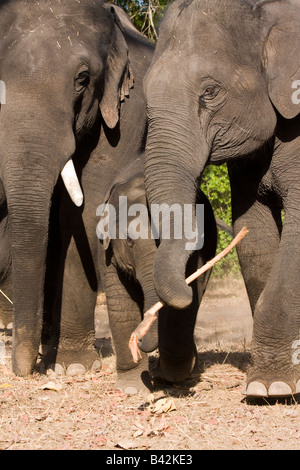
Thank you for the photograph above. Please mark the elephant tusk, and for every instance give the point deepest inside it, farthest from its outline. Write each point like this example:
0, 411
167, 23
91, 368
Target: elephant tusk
71, 182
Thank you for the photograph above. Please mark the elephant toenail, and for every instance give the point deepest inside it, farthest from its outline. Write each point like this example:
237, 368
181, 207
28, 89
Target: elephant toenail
130, 391
96, 365
56, 368
76, 369
279, 389
256, 389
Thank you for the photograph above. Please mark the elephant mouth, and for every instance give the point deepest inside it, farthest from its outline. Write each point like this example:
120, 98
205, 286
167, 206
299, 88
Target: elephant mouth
71, 183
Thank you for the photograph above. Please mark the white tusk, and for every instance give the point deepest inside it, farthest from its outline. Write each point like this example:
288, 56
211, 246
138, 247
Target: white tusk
71, 182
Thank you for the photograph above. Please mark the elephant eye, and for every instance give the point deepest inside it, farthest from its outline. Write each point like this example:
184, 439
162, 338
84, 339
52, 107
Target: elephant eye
82, 80
210, 92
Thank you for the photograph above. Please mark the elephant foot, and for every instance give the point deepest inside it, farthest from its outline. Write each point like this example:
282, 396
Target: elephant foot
6, 314
274, 374
72, 369
262, 383
276, 389
177, 374
5, 325
5, 320
135, 381
70, 363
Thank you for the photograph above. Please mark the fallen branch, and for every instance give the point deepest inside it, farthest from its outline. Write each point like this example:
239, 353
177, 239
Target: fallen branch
150, 315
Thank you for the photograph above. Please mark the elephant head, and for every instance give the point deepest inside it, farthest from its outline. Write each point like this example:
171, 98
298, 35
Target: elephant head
132, 248
222, 74
65, 68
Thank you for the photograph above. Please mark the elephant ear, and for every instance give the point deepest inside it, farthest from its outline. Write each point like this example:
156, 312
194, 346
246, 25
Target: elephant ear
104, 235
130, 183
110, 208
118, 77
281, 54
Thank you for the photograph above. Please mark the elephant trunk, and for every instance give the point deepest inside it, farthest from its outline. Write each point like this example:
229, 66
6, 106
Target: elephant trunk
29, 218
144, 274
172, 170
31, 163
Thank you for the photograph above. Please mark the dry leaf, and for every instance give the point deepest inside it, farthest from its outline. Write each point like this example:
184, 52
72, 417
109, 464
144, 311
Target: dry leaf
213, 421
6, 385
127, 444
151, 398
99, 441
163, 405
52, 386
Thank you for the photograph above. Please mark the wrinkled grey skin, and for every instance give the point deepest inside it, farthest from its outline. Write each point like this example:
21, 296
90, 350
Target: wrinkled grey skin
5, 268
67, 66
221, 93
128, 281
132, 262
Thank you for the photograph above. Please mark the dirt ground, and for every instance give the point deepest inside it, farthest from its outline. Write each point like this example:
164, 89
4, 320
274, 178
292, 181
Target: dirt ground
86, 412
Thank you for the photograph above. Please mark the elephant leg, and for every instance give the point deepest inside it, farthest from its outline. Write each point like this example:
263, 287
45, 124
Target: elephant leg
124, 303
178, 352
257, 253
72, 333
258, 249
72, 349
177, 349
275, 365
178, 357
262, 217
6, 308
270, 266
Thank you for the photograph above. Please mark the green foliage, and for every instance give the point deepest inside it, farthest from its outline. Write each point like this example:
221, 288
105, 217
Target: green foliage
215, 184
145, 15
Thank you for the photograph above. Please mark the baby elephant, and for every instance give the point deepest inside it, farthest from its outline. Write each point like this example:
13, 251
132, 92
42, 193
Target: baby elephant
129, 287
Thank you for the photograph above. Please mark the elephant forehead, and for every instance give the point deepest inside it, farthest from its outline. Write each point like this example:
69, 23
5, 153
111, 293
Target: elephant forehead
36, 53
225, 69
191, 69
58, 24
189, 37
210, 25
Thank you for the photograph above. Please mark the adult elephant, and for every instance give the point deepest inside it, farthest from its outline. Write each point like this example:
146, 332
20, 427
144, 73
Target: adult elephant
227, 91
66, 69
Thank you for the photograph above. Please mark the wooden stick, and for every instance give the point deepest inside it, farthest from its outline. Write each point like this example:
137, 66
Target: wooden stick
150, 315
4, 295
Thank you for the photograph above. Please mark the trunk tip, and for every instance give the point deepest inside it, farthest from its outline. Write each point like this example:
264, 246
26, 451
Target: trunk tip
178, 296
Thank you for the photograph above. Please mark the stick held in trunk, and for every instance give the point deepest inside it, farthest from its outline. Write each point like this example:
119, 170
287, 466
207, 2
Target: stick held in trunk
150, 315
